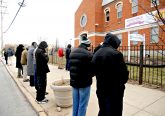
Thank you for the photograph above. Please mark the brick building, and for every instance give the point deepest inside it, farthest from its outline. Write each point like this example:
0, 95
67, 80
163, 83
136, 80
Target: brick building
95, 18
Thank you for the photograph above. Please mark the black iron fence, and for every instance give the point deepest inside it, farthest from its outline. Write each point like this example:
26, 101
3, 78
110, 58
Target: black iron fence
146, 64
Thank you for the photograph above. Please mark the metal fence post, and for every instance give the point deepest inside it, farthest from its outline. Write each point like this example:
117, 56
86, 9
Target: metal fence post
141, 65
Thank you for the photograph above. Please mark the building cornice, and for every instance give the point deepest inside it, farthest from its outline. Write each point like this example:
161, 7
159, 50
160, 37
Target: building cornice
122, 30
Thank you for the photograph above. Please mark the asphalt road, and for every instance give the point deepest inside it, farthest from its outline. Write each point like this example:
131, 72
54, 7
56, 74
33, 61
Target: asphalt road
12, 101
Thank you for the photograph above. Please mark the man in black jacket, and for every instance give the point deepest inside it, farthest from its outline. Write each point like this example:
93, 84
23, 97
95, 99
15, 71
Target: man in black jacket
111, 74
67, 53
81, 76
41, 69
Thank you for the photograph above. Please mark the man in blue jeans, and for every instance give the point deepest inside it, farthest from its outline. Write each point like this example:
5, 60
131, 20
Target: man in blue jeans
81, 76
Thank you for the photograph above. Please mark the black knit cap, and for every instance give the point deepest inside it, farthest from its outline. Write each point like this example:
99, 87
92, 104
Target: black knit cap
43, 44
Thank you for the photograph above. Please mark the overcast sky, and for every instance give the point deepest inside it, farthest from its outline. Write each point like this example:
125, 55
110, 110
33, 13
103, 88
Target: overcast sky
45, 19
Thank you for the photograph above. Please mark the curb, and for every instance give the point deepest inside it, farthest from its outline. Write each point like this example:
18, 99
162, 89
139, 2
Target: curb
38, 108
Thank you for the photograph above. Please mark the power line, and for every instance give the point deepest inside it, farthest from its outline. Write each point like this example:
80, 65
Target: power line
21, 4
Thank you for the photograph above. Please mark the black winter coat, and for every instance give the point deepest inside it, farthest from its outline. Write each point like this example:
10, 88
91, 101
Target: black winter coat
18, 54
81, 71
41, 61
67, 53
110, 68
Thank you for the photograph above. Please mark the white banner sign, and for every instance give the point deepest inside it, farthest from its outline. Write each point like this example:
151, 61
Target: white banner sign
143, 19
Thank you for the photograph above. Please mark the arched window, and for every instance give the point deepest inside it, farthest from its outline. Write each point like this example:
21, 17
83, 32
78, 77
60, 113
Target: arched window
107, 14
134, 6
134, 42
154, 35
119, 7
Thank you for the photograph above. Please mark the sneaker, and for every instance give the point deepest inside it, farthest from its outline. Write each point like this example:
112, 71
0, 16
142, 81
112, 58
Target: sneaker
46, 93
43, 101
26, 80
19, 76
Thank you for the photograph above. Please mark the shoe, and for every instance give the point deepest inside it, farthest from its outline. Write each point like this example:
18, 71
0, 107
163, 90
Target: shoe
43, 101
20, 76
46, 93
26, 80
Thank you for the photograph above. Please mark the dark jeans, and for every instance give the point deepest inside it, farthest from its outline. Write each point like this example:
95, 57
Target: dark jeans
110, 105
67, 67
35, 77
31, 80
41, 87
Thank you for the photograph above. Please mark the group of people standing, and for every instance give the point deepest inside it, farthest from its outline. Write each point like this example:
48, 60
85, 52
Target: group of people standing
32, 62
61, 54
107, 64
8, 53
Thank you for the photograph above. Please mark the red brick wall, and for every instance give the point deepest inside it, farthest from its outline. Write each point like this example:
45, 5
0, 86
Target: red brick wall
87, 7
95, 15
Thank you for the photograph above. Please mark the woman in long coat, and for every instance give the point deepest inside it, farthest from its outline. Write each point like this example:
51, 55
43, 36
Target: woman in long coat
18, 54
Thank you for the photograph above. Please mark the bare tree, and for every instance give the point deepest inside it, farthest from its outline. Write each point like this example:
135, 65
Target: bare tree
157, 17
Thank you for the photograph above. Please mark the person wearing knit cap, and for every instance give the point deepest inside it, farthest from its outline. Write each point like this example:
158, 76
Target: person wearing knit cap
111, 74
18, 54
81, 76
42, 69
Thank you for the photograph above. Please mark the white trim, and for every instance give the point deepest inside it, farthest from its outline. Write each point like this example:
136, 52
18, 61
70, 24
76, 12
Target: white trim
105, 2
118, 31
119, 3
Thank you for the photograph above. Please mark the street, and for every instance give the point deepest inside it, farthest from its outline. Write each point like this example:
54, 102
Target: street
12, 102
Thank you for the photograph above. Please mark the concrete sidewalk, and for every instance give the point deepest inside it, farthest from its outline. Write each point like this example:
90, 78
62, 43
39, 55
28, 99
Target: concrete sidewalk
138, 100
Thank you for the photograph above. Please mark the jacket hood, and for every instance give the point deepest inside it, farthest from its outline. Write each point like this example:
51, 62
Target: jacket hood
43, 45
111, 40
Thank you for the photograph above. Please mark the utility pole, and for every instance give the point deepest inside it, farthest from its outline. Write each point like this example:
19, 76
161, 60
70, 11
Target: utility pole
2, 12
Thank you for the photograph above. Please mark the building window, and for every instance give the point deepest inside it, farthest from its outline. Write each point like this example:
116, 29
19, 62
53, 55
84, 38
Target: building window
83, 20
107, 14
154, 2
134, 42
154, 35
134, 6
119, 7
120, 38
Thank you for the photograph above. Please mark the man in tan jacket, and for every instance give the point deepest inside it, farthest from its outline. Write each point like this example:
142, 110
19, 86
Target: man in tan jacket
24, 64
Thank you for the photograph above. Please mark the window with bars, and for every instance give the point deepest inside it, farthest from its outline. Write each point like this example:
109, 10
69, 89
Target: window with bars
154, 35
134, 6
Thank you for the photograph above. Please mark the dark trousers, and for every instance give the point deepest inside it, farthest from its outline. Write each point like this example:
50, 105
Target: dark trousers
6, 58
110, 105
41, 87
31, 80
67, 67
35, 77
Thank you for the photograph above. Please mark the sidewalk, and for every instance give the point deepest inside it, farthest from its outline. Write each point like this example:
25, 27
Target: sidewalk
138, 101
